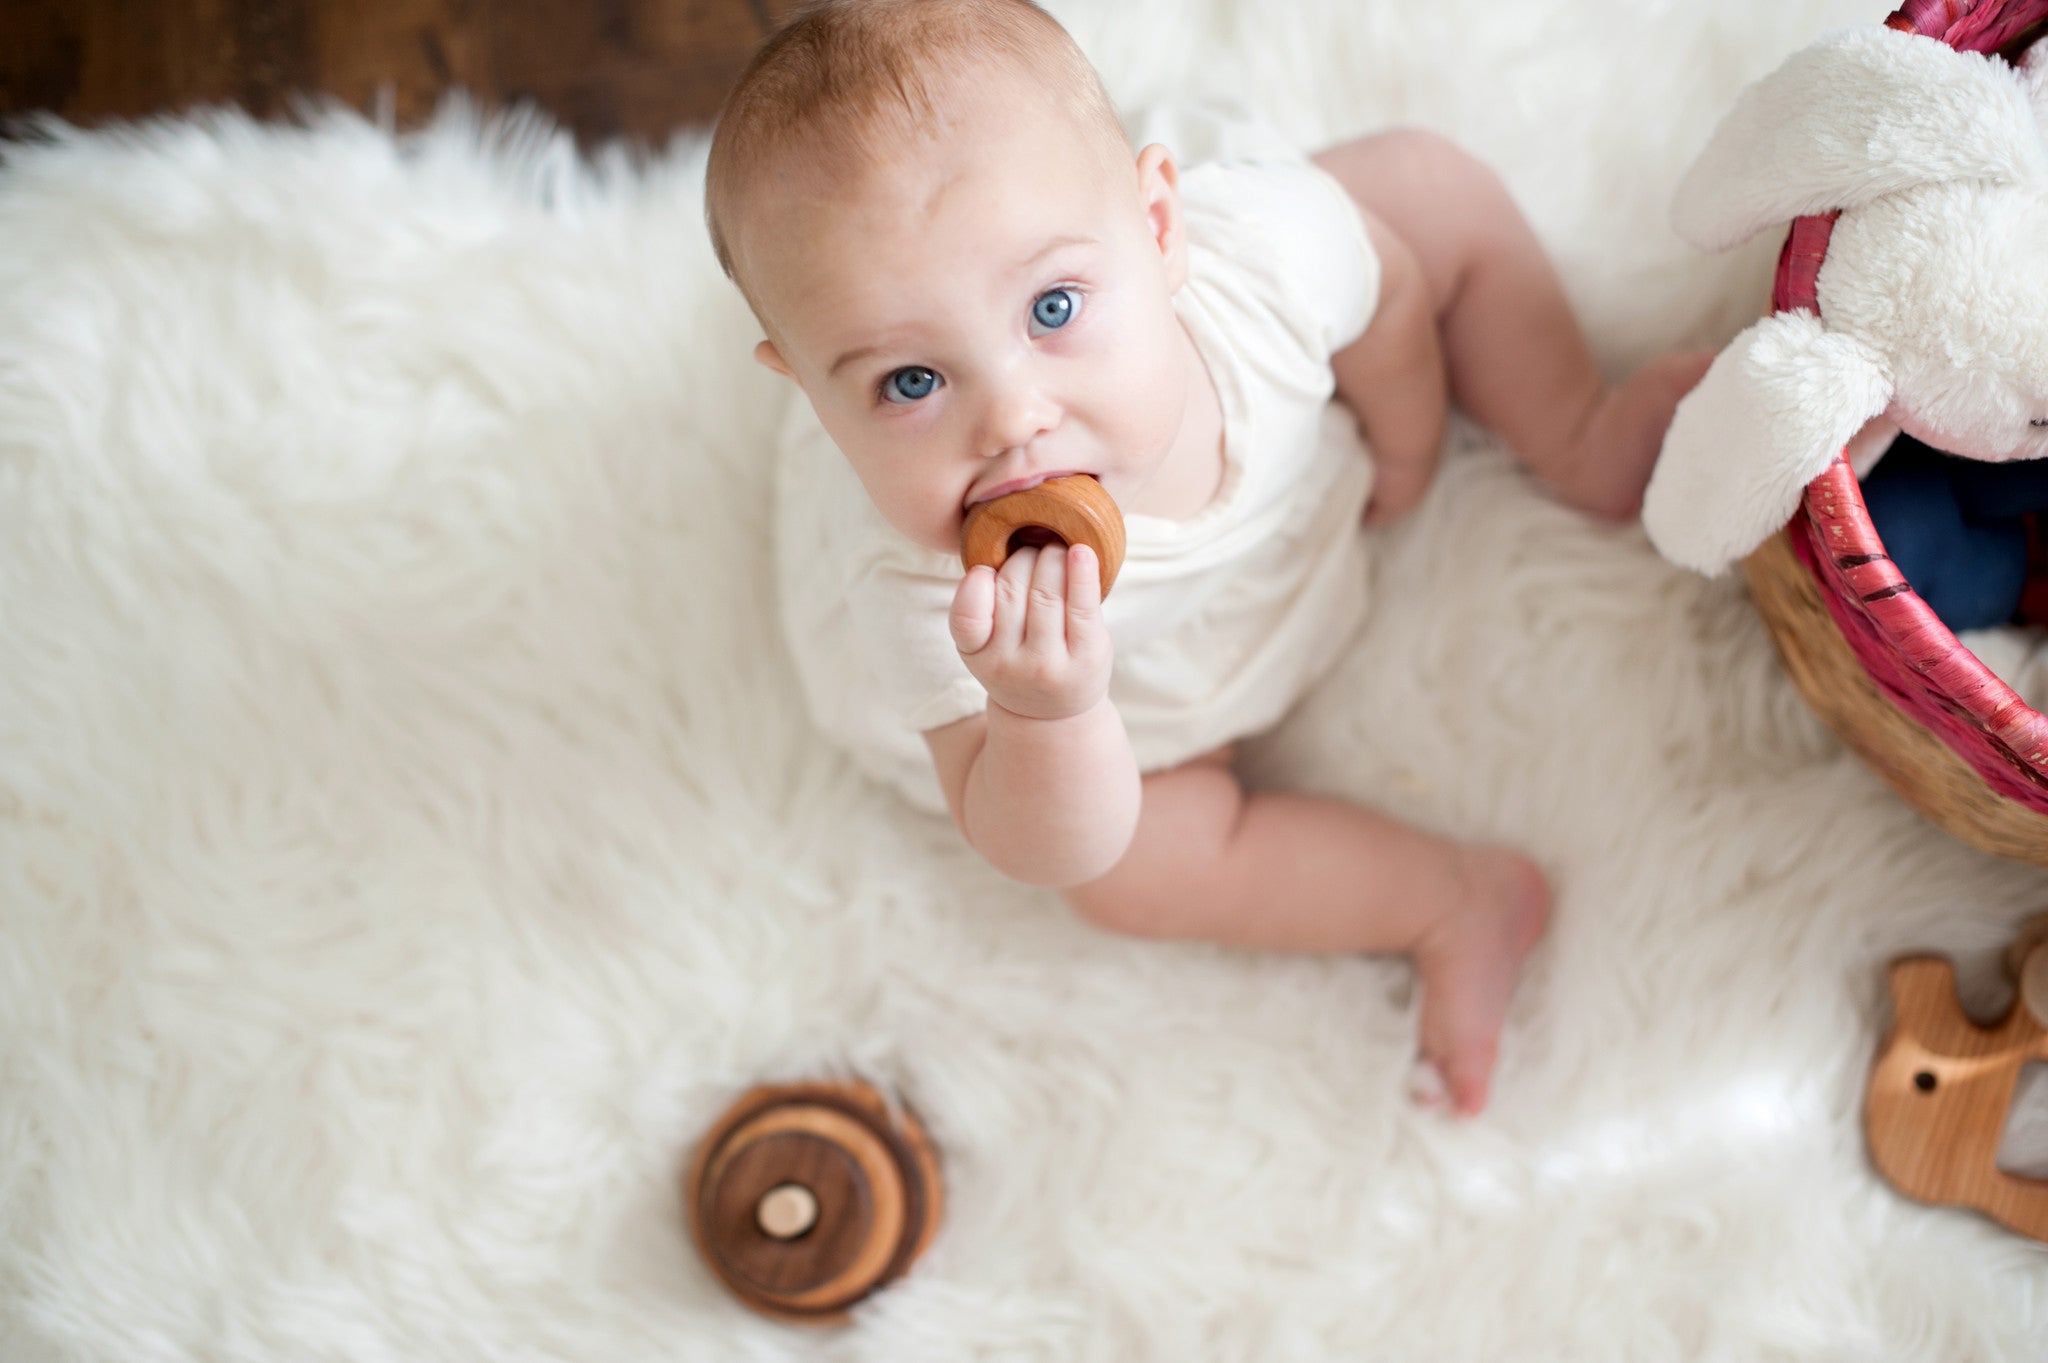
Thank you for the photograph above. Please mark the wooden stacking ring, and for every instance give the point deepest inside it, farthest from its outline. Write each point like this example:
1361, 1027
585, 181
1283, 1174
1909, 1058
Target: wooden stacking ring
806, 1198
1074, 509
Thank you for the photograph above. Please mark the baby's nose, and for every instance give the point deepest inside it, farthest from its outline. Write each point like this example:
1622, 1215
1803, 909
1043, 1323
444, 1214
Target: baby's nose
1015, 418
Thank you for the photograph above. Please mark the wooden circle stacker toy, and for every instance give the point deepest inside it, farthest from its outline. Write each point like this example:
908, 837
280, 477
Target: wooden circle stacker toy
807, 1198
1939, 1093
1074, 509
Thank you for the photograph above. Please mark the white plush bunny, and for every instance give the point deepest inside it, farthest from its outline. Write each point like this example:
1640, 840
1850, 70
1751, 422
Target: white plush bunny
1933, 295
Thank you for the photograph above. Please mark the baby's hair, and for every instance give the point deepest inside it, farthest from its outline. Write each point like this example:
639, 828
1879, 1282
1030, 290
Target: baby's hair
848, 83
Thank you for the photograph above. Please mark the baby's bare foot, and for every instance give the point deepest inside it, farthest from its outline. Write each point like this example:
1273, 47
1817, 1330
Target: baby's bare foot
1617, 444
1468, 967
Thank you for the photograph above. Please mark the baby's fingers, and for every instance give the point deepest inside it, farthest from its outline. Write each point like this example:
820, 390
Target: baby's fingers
1013, 600
1087, 636
1084, 586
973, 618
1045, 614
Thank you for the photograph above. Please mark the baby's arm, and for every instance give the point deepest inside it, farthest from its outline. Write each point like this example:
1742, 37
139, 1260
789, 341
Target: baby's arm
1392, 378
1043, 783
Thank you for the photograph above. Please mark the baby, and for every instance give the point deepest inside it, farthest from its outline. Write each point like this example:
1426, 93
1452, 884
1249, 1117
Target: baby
934, 212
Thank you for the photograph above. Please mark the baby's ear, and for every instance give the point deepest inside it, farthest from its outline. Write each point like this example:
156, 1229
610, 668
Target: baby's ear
766, 354
1159, 192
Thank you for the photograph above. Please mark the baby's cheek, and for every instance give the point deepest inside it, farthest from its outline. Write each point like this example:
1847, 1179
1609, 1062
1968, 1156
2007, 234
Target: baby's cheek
937, 522
930, 525
911, 505
945, 534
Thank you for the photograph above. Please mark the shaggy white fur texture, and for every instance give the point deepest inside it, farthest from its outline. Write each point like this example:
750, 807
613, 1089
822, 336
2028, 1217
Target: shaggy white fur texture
410, 838
1933, 303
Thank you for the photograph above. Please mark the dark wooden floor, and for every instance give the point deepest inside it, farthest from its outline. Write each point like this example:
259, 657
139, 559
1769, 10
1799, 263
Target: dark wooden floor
638, 68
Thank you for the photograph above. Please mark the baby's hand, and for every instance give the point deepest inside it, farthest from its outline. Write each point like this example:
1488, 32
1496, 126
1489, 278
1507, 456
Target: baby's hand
1032, 632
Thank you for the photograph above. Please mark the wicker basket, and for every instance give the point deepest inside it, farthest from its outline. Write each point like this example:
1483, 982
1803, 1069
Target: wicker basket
1867, 653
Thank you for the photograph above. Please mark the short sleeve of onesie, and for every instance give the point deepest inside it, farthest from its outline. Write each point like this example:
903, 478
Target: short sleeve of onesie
1251, 194
1305, 234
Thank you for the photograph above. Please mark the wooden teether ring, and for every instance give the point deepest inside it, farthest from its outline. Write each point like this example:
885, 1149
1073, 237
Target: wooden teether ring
1074, 508
806, 1198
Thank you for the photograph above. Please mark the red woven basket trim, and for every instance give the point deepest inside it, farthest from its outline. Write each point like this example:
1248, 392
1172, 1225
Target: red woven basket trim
1909, 653
1860, 570
1998, 764
1969, 25
1806, 246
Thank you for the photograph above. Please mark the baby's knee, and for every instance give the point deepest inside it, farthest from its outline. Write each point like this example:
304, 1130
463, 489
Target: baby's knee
1439, 200
1425, 161
1425, 146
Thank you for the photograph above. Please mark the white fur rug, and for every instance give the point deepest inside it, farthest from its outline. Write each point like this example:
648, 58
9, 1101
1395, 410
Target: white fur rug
410, 838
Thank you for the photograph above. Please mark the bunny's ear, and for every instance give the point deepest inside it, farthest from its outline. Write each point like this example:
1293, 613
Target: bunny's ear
1772, 412
1862, 113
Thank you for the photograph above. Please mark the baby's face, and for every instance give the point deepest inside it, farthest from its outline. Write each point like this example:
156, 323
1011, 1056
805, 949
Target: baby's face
996, 314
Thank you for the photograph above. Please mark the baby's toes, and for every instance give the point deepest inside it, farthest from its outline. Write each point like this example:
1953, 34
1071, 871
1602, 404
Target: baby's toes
1454, 1074
1468, 1074
1426, 1087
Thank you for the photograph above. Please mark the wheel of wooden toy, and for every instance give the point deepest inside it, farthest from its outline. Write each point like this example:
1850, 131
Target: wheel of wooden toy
806, 1198
1074, 509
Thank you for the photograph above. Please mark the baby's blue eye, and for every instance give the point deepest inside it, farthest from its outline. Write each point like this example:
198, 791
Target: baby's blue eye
909, 384
1053, 309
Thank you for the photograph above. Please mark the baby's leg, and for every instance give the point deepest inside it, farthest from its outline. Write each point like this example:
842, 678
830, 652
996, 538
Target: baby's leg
1517, 359
1297, 872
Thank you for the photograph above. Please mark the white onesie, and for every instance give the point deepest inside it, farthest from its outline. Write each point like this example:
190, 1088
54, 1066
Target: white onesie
1219, 622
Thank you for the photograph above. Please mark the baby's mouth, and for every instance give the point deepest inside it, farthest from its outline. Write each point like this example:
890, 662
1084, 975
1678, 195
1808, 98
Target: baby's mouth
1024, 484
